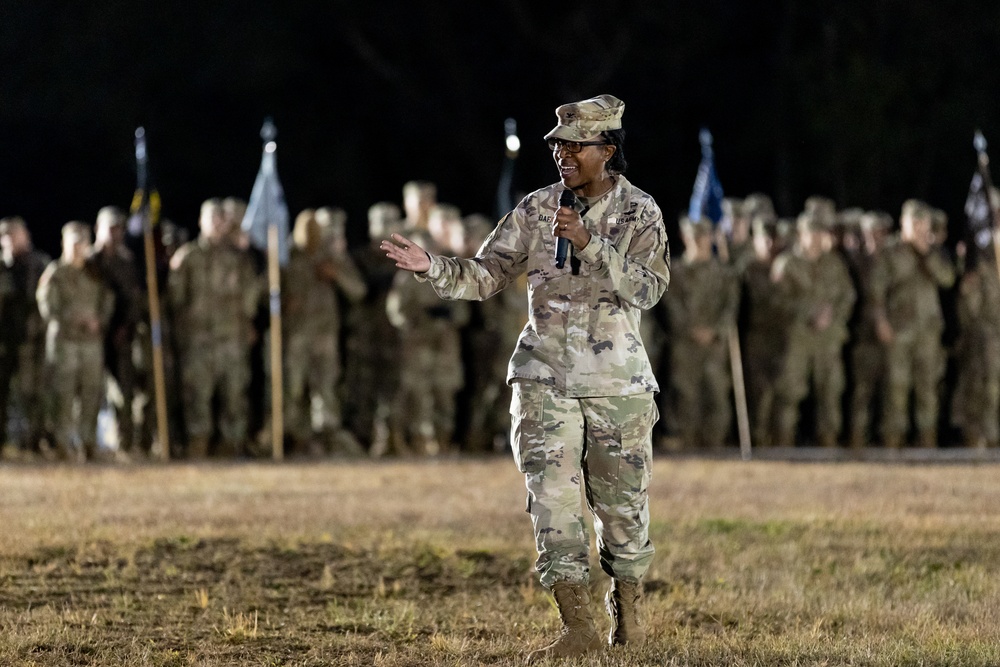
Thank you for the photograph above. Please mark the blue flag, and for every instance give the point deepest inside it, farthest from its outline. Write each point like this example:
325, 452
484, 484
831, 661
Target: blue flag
267, 200
706, 197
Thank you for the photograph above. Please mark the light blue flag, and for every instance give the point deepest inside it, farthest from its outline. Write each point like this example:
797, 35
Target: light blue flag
706, 197
267, 200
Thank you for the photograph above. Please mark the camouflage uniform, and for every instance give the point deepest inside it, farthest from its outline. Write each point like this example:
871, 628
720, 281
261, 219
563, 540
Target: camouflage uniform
704, 297
119, 271
977, 395
22, 339
583, 405
904, 286
765, 348
430, 362
213, 293
312, 328
807, 288
68, 298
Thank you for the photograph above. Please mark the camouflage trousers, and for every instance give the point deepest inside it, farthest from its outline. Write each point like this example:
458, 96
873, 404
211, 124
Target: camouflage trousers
208, 367
312, 371
868, 370
916, 364
77, 373
816, 358
702, 382
976, 400
605, 445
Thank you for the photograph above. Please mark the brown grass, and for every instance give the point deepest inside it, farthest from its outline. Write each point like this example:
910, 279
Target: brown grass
428, 563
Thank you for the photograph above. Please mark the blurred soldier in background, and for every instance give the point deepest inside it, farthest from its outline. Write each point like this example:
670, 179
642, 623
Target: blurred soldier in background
868, 357
739, 249
431, 370
371, 373
318, 267
908, 319
497, 323
766, 331
419, 197
22, 335
213, 294
116, 264
976, 401
817, 290
702, 306
76, 305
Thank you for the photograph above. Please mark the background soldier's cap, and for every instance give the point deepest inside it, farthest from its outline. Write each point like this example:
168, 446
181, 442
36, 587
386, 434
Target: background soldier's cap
876, 220
814, 221
585, 120
698, 227
850, 218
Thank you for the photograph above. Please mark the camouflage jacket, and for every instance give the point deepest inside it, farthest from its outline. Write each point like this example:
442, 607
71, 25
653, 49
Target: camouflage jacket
807, 287
582, 337
213, 293
979, 302
904, 285
310, 283
69, 298
704, 295
767, 312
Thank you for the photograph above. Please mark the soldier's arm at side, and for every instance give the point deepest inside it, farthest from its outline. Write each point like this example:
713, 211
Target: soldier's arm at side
846, 295
641, 275
349, 279
47, 294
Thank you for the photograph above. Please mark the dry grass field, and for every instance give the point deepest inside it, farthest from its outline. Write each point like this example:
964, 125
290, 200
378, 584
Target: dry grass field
430, 563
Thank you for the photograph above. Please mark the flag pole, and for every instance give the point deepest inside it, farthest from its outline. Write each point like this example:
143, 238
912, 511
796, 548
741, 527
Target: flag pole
979, 142
268, 133
708, 190
147, 205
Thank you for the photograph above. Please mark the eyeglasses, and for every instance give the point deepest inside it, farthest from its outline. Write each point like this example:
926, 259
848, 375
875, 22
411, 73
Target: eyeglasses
572, 146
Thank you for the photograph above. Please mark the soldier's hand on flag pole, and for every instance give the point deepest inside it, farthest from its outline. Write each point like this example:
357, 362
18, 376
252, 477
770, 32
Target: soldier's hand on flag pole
407, 254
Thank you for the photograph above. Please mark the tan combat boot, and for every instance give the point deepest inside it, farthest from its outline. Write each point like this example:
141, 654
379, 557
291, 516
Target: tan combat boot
623, 607
578, 635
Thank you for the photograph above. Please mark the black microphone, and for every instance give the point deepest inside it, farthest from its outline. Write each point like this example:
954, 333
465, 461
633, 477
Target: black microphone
567, 199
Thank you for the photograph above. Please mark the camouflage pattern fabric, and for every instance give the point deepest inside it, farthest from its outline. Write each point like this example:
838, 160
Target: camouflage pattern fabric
311, 338
582, 337
868, 358
604, 443
904, 286
976, 407
213, 294
704, 297
809, 288
70, 299
764, 349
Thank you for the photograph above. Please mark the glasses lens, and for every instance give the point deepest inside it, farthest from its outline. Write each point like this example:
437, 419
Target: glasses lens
570, 146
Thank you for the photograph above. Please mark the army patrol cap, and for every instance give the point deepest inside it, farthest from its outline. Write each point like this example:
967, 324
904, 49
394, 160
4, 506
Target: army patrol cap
814, 221
585, 120
758, 203
699, 227
876, 221
850, 218
75, 231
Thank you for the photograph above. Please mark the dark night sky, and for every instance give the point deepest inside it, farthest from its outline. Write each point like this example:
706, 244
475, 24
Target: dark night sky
867, 102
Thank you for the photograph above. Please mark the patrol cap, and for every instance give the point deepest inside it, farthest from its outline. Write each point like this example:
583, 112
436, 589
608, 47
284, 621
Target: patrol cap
915, 208
586, 119
876, 221
850, 218
8, 224
758, 203
75, 231
699, 227
813, 221
110, 216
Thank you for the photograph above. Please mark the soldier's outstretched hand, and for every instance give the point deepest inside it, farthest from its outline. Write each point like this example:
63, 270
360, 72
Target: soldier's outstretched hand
407, 254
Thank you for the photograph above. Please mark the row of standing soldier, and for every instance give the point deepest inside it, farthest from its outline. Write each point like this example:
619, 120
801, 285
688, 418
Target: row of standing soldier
820, 298
803, 290
78, 325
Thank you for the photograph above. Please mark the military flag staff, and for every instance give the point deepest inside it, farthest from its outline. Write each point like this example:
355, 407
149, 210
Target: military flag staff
146, 208
993, 210
706, 201
266, 225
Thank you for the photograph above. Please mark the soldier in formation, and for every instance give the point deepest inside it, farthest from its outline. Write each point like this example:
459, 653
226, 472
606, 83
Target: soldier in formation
76, 305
